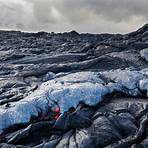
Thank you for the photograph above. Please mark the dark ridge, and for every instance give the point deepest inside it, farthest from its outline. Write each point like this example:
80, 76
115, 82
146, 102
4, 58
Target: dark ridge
141, 30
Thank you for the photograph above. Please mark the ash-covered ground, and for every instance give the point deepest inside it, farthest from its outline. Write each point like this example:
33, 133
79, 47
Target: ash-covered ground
74, 90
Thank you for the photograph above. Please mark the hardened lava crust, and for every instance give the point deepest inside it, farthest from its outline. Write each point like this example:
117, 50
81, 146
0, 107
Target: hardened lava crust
74, 90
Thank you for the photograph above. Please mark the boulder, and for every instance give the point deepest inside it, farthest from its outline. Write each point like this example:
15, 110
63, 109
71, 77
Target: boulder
144, 54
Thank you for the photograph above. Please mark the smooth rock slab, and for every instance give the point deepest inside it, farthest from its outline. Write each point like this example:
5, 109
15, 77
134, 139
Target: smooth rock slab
68, 91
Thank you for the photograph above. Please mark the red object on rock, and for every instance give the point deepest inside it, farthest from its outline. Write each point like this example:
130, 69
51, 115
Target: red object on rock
56, 117
57, 111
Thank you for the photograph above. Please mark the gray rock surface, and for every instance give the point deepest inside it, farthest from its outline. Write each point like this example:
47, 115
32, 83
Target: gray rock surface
73, 90
144, 54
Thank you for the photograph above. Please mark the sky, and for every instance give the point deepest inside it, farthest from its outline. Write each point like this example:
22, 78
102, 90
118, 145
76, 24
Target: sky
93, 16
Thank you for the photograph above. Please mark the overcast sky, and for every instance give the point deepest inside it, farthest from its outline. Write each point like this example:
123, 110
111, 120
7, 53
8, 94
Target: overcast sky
95, 16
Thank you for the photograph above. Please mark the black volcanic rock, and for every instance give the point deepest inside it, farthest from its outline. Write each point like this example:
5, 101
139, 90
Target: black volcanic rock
29, 59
